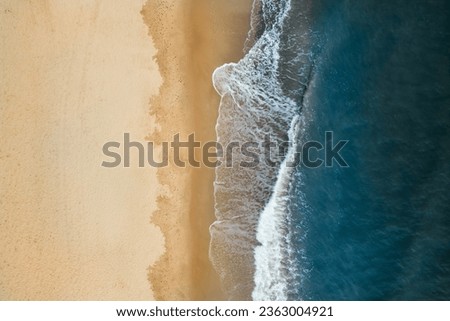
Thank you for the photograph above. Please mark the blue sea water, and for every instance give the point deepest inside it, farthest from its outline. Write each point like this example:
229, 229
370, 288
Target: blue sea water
380, 229
375, 73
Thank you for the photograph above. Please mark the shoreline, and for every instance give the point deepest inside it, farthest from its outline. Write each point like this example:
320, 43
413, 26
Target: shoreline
87, 232
192, 39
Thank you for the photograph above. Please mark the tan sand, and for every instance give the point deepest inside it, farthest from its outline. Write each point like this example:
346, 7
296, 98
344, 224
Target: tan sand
74, 75
193, 37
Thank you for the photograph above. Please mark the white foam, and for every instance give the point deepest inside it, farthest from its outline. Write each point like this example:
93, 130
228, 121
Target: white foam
271, 261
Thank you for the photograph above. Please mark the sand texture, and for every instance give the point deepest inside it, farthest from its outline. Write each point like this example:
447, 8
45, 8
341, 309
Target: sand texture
74, 75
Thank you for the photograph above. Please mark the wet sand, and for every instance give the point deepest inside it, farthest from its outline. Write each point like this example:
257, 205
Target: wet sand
192, 38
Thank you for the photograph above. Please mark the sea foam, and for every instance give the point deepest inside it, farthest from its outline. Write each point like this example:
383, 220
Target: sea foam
249, 246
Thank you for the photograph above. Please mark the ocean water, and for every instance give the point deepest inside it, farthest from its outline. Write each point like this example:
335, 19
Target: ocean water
375, 73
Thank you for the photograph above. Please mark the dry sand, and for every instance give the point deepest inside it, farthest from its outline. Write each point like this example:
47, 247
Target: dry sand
74, 75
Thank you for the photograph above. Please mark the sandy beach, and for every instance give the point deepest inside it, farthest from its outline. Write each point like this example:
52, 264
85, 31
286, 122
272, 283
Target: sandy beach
75, 75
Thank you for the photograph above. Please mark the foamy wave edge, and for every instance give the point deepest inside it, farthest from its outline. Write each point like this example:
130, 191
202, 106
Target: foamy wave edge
260, 231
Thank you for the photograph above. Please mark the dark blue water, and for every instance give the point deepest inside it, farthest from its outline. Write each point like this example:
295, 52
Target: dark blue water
379, 229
